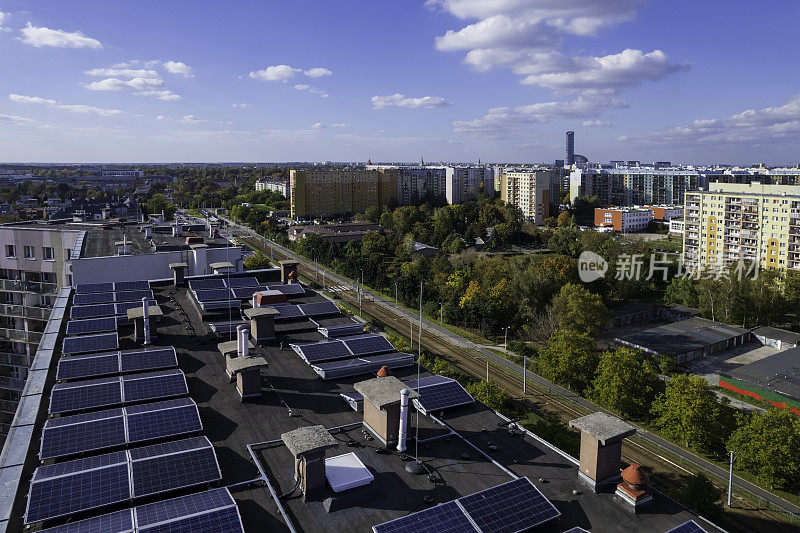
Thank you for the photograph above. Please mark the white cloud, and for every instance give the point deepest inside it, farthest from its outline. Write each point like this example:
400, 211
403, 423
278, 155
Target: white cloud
310, 90
163, 94
161, 117
400, 100
275, 73
241, 106
317, 72
750, 126
75, 108
526, 36
507, 121
191, 119
178, 67
318, 126
18, 120
123, 72
116, 84
138, 63
596, 124
3, 19
41, 36
322, 126
609, 73
340, 125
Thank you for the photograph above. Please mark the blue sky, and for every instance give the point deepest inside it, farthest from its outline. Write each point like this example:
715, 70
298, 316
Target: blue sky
453, 80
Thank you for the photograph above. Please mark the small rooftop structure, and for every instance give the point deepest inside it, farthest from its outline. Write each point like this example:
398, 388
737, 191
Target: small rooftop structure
601, 447
606, 429
777, 338
308, 445
383, 391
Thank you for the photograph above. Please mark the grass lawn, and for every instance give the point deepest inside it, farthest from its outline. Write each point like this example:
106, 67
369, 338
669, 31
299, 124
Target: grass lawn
674, 244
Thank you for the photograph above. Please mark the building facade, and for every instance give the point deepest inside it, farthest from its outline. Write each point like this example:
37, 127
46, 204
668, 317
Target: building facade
665, 212
748, 222
635, 186
623, 219
529, 190
330, 193
278, 186
456, 183
465, 183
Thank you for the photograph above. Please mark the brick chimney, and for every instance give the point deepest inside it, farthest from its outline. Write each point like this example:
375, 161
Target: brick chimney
601, 448
633, 489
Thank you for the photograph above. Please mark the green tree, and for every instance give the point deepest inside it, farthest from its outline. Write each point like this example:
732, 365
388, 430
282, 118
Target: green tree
257, 261
489, 394
578, 309
688, 412
566, 241
626, 382
569, 359
564, 219
682, 291
767, 445
158, 203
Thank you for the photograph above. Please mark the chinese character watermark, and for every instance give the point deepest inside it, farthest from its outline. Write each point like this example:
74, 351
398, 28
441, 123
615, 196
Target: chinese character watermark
592, 267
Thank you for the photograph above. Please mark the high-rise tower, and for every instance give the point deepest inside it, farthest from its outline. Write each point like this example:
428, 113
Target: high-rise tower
570, 157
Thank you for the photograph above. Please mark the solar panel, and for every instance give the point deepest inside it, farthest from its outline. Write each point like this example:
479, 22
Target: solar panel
291, 289
203, 284
212, 511
576, 529
243, 293
442, 396
513, 506
213, 295
368, 345
687, 527
131, 285
78, 367
74, 434
161, 419
77, 485
444, 518
249, 281
86, 288
148, 359
91, 325
318, 352
118, 522
362, 365
286, 311
319, 308
93, 298
90, 343
152, 385
171, 465
132, 296
122, 307
88, 394
91, 311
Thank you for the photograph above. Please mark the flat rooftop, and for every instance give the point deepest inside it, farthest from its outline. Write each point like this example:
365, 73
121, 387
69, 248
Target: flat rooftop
683, 336
464, 449
779, 373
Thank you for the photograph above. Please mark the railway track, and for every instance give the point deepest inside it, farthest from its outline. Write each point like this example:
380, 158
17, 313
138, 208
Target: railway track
666, 473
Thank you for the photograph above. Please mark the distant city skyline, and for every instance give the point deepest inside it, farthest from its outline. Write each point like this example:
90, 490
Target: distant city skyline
450, 80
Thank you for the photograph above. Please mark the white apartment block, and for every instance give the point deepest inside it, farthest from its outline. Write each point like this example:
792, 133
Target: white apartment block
278, 186
529, 190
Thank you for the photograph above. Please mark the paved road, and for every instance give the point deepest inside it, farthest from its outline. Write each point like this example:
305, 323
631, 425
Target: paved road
552, 387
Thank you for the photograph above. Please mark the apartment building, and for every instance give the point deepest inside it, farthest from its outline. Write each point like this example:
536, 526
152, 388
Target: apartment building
635, 185
330, 193
464, 183
33, 266
733, 221
416, 181
529, 190
623, 219
275, 185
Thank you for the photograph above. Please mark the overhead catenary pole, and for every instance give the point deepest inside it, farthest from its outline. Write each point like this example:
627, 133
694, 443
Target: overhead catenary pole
730, 481
420, 320
524, 373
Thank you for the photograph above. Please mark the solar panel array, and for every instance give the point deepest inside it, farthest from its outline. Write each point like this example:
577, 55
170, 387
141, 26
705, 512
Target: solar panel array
362, 365
204, 284
92, 311
163, 467
131, 285
507, 508
368, 344
91, 325
107, 392
318, 308
441, 396
132, 296
90, 343
291, 289
86, 288
243, 293
317, 352
211, 511
248, 281
78, 367
687, 527
82, 484
213, 295
286, 311
70, 435
111, 297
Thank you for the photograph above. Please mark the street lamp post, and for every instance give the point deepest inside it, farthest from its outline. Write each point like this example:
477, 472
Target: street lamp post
395, 293
730, 482
505, 339
524, 373
441, 314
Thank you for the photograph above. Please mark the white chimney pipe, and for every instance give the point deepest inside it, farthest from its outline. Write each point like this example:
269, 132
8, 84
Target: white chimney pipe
245, 342
401, 437
239, 338
256, 305
146, 318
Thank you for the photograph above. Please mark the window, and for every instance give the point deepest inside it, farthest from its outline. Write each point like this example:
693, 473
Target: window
47, 253
29, 252
11, 250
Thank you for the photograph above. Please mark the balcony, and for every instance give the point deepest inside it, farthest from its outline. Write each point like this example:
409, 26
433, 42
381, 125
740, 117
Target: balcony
14, 359
20, 335
9, 383
26, 311
37, 287
8, 406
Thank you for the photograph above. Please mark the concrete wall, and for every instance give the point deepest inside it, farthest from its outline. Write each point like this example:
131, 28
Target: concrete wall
150, 266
